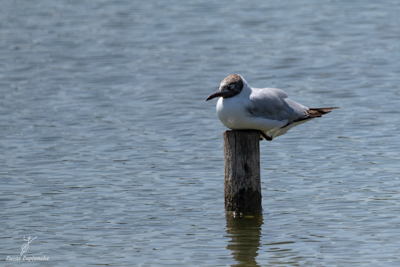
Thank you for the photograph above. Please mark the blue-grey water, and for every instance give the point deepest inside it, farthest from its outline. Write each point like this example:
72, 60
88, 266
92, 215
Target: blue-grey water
110, 155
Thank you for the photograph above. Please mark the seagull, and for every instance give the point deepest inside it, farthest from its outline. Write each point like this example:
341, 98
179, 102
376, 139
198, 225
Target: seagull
268, 110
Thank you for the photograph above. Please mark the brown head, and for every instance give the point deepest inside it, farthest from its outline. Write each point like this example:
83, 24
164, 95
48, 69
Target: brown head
229, 87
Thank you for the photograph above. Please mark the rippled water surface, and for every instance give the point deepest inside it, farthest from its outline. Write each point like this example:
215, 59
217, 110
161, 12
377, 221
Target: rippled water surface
110, 154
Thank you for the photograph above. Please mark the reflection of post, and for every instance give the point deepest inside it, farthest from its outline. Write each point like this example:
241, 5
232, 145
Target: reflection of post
245, 232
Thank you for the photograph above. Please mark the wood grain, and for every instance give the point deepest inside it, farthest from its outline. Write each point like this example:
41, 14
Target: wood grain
242, 186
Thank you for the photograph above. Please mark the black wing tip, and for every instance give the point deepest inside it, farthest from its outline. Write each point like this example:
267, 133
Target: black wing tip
318, 112
324, 108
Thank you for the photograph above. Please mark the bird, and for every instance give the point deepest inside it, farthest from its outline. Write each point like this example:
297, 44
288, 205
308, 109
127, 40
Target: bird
269, 110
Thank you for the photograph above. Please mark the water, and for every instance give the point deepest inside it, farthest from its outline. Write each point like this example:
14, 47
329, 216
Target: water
111, 156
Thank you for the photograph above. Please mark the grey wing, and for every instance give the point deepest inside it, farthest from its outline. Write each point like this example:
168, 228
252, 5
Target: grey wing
273, 104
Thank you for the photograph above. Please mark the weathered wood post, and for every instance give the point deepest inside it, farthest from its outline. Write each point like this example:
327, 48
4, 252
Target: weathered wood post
242, 186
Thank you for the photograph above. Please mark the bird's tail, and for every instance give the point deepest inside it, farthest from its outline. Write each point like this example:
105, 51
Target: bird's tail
318, 112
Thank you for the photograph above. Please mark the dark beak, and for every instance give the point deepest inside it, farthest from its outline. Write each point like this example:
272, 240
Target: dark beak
217, 94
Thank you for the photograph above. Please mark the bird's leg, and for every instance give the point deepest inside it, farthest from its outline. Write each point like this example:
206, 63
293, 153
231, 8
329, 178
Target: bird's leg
268, 138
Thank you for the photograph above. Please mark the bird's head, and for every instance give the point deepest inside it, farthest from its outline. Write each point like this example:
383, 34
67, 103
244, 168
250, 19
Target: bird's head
229, 87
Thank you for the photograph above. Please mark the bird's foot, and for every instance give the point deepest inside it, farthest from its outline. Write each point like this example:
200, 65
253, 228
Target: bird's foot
268, 138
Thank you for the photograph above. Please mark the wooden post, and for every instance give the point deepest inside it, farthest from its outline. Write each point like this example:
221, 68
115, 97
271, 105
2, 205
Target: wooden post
242, 186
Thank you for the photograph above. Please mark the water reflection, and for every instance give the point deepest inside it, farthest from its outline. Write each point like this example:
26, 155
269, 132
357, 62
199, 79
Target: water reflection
245, 233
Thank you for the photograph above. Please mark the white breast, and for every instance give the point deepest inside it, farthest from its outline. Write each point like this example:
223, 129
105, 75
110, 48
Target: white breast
233, 114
